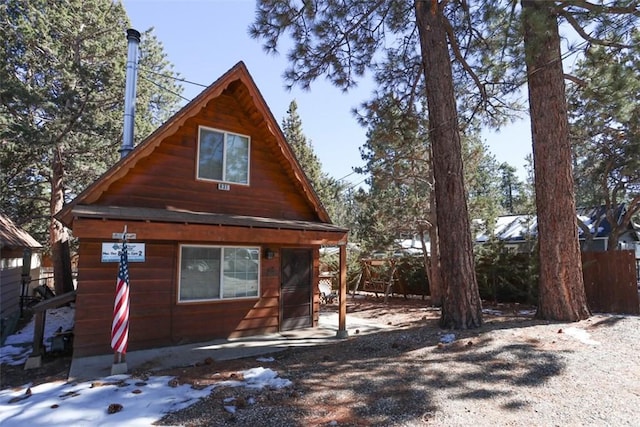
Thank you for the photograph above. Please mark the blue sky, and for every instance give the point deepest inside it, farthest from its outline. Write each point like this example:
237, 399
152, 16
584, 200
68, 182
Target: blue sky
205, 38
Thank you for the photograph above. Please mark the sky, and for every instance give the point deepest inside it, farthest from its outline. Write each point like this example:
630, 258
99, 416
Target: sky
205, 38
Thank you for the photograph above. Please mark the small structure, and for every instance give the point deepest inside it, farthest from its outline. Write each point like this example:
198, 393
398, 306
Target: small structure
325, 287
225, 229
20, 257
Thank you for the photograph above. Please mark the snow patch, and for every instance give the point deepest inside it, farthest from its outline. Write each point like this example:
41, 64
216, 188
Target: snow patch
581, 335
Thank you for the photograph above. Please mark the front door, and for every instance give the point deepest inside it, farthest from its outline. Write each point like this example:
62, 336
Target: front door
295, 293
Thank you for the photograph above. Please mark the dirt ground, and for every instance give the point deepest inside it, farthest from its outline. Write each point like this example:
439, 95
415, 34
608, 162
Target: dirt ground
513, 371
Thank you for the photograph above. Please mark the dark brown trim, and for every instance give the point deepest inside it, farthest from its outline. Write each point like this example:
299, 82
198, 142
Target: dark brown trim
96, 228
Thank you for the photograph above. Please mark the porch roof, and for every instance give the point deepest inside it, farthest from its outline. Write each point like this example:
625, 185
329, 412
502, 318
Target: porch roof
174, 215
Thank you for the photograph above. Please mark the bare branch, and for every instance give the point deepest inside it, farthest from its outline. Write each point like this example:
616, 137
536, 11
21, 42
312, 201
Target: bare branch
580, 82
593, 40
633, 9
633, 207
465, 64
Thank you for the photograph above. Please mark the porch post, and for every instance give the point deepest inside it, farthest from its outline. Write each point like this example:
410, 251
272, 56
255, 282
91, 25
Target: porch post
342, 293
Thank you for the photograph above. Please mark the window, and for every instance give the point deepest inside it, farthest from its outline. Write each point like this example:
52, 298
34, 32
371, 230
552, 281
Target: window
212, 272
223, 156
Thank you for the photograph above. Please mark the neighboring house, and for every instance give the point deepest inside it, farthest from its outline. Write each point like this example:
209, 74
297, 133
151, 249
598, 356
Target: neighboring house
230, 224
412, 247
518, 232
600, 229
20, 256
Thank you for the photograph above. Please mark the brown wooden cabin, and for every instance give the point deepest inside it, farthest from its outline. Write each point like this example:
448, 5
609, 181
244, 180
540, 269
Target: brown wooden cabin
230, 225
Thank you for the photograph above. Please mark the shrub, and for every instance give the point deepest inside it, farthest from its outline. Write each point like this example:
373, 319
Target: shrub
505, 276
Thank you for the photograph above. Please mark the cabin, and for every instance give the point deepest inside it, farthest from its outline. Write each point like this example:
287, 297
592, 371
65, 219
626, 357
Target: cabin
20, 257
224, 230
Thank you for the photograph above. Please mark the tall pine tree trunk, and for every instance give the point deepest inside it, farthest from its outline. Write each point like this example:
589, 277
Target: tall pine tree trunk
58, 236
561, 294
435, 276
461, 305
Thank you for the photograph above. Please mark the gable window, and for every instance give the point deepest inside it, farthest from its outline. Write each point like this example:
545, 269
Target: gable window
223, 156
214, 272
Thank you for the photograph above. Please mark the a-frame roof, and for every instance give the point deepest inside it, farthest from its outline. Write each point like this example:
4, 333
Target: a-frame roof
237, 74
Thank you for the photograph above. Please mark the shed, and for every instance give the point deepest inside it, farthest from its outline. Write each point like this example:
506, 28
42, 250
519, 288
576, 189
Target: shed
20, 257
230, 226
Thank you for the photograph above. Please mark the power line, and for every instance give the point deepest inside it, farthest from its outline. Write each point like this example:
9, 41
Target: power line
346, 176
171, 76
164, 88
353, 186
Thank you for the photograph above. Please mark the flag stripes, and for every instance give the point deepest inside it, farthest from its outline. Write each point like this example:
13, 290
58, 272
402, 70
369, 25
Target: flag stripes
120, 325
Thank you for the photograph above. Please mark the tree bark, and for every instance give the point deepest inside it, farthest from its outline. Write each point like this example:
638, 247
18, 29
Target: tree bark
435, 278
561, 294
461, 305
58, 236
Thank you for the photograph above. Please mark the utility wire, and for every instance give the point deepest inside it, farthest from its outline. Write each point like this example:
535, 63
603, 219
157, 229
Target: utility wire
346, 176
171, 76
164, 88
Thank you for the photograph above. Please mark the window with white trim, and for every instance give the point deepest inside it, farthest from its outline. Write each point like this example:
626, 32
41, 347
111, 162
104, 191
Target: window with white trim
223, 156
217, 272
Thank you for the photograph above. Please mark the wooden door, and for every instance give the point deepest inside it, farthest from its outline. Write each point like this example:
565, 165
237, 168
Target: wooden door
296, 302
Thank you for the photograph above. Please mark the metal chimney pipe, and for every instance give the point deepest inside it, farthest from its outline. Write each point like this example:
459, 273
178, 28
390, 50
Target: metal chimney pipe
133, 37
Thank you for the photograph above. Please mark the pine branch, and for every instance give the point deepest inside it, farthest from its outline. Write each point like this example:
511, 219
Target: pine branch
465, 64
580, 82
593, 40
633, 9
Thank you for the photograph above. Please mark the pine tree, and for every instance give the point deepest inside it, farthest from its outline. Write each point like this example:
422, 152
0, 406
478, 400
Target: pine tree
292, 129
482, 181
604, 116
561, 289
330, 191
407, 47
513, 195
561, 293
61, 102
399, 201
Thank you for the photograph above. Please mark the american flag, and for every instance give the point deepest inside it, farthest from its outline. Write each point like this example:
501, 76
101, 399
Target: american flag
120, 326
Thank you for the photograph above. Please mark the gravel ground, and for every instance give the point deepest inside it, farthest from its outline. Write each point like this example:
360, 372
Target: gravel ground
514, 371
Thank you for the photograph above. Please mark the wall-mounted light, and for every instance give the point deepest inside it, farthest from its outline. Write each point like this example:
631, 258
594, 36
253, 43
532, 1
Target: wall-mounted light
269, 254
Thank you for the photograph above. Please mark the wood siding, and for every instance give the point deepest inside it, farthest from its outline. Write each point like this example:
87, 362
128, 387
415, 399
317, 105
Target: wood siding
156, 318
151, 296
145, 189
11, 281
167, 178
10, 287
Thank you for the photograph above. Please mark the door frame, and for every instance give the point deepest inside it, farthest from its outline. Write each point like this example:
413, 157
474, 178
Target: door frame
296, 324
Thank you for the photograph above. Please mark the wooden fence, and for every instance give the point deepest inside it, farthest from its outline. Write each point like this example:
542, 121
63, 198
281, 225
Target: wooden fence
610, 281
